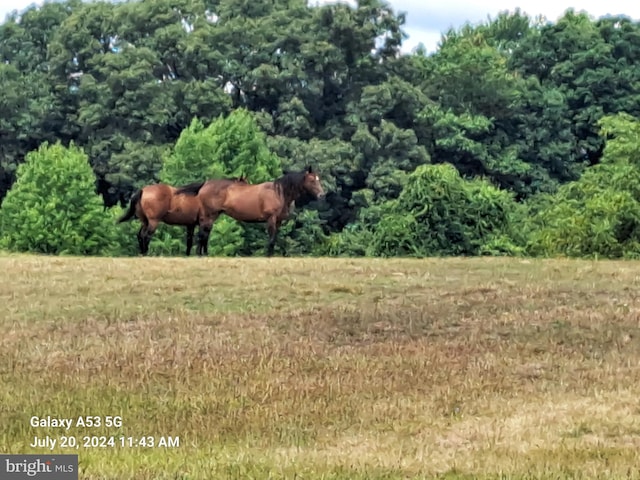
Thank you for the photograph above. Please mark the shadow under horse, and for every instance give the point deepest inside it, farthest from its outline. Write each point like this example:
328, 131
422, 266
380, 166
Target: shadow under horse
268, 202
160, 202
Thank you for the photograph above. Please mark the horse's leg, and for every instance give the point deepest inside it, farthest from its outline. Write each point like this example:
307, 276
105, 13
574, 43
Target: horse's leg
200, 241
190, 231
140, 236
206, 243
146, 239
206, 224
149, 231
203, 240
283, 243
272, 228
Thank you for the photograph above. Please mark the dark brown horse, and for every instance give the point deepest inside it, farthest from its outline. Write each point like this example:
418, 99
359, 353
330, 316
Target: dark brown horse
263, 202
160, 202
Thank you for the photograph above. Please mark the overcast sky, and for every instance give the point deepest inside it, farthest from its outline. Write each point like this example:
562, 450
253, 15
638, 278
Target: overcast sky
426, 20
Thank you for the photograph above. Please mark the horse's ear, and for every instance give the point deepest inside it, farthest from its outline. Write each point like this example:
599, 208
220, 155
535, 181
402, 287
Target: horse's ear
309, 169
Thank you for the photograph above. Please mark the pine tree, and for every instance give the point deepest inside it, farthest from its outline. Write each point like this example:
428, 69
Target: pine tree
53, 207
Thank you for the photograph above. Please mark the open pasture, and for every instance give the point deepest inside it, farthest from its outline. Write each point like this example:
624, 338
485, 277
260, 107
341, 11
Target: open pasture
327, 368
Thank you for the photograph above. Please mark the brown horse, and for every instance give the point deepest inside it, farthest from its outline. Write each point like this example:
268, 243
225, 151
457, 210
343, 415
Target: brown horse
160, 202
262, 202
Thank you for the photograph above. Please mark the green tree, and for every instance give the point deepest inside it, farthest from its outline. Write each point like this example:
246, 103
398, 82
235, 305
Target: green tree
31, 110
599, 214
231, 146
121, 74
586, 69
53, 207
440, 213
384, 120
475, 102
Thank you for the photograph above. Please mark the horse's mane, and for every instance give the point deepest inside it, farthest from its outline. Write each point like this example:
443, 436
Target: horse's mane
290, 184
191, 188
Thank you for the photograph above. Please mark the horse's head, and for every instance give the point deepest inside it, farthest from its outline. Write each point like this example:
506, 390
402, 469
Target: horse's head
312, 183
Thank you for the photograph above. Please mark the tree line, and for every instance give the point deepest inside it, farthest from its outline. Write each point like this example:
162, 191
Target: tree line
516, 137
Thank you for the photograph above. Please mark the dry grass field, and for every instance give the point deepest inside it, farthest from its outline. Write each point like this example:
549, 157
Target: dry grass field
326, 368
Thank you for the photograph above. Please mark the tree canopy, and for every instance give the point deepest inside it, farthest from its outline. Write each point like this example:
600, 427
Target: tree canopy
521, 120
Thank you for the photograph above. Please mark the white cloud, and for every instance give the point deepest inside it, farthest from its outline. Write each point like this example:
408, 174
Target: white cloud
426, 21
7, 6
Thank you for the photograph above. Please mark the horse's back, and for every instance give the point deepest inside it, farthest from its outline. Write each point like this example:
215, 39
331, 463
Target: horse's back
155, 200
214, 193
160, 202
158, 191
218, 186
184, 209
251, 202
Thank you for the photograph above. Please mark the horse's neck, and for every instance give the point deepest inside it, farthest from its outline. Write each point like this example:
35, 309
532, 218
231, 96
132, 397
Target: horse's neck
287, 208
291, 196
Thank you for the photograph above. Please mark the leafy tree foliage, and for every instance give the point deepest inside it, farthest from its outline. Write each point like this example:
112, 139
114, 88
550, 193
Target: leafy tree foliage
229, 147
147, 89
599, 214
53, 207
440, 213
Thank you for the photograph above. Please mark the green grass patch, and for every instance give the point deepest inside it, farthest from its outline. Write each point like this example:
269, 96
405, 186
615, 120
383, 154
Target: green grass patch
326, 368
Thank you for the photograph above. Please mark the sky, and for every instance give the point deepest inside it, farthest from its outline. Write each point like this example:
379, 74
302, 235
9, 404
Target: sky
426, 21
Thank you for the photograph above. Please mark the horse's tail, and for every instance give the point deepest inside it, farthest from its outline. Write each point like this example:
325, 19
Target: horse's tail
131, 212
191, 189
